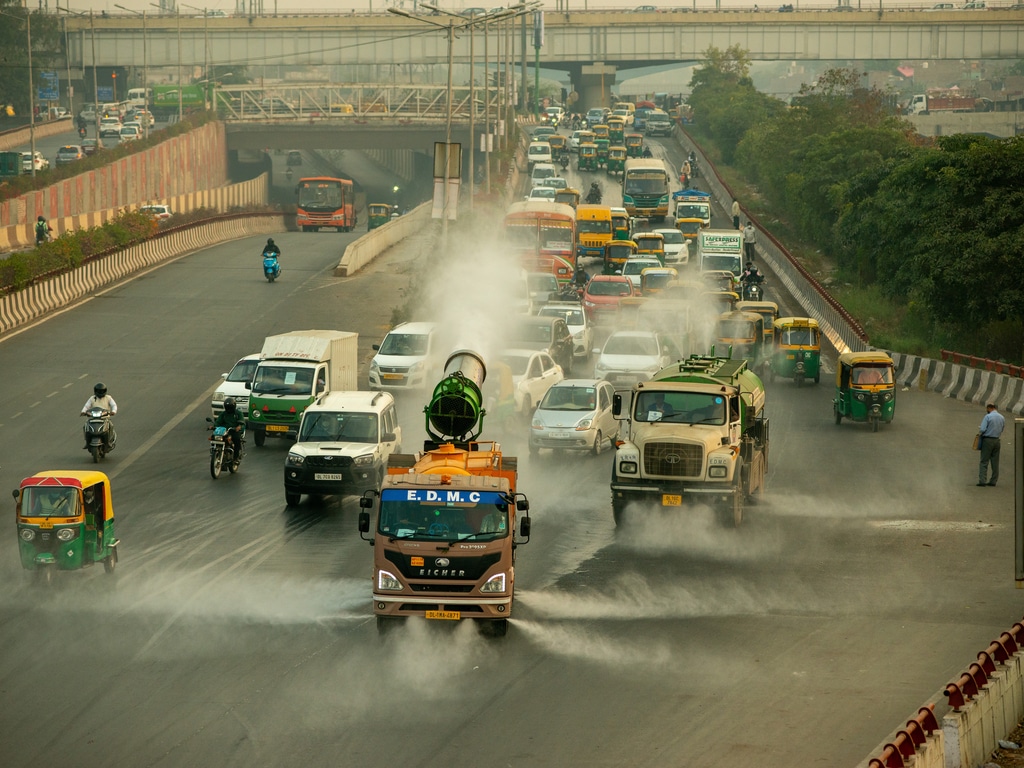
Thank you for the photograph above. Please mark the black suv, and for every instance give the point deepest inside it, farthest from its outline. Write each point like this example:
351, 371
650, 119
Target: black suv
549, 334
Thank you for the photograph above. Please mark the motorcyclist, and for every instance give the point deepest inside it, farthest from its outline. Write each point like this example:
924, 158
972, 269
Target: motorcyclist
100, 399
647, 152
234, 423
594, 195
563, 160
271, 248
81, 131
43, 230
751, 276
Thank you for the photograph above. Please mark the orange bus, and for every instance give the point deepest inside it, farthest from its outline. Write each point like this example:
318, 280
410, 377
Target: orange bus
323, 201
545, 233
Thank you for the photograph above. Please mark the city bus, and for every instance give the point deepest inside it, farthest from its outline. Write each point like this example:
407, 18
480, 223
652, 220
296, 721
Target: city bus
645, 188
544, 233
323, 201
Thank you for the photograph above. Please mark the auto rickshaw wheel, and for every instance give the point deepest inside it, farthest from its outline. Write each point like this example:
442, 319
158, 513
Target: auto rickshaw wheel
799, 380
839, 416
45, 575
259, 437
874, 424
110, 561
817, 378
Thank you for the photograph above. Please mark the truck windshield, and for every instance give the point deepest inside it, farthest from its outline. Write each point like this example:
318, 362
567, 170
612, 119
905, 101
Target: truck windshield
727, 261
681, 407
430, 515
282, 380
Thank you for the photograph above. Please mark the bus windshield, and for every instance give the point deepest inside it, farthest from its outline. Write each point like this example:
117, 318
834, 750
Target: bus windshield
320, 195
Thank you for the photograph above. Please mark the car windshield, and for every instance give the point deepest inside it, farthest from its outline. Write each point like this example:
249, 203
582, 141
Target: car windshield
672, 237
571, 316
49, 501
447, 515
608, 288
338, 427
282, 380
542, 193
516, 363
570, 399
243, 370
405, 344
680, 407
647, 346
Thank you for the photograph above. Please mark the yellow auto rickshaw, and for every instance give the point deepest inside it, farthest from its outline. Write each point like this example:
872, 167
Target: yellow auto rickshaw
652, 243
796, 353
615, 255
558, 145
569, 196
65, 521
690, 227
769, 310
586, 137
616, 130
634, 144
499, 393
620, 224
601, 131
743, 333
865, 388
616, 164
377, 214
723, 301
654, 280
587, 160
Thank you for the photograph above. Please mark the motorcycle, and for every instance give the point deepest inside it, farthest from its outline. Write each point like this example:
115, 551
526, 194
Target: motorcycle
271, 266
99, 433
563, 161
594, 195
81, 132
222, 451
753, 292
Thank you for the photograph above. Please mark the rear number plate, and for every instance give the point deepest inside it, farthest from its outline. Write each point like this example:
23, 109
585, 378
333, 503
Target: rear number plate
443, 615
328, 476
671, 500
276, 428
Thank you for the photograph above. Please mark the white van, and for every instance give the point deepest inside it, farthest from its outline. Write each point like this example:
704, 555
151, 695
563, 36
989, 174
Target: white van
406, 358
139, 97
541, 173
538, 152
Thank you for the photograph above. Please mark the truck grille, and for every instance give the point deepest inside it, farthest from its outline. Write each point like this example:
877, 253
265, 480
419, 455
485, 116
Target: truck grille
336, 462
674, 459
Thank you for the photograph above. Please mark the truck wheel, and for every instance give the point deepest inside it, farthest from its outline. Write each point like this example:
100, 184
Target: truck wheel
259, 437
495, 628
618, 510
292, 499
739, 493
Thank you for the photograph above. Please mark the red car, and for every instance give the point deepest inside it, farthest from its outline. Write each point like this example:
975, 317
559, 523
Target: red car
602, 296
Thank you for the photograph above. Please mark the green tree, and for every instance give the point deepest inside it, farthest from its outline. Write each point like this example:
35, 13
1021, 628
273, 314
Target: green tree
46, 52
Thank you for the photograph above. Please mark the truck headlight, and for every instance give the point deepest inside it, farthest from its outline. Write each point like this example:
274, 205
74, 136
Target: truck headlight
255, 414
294, 460
364, 460
494, 584
67, 534
628, 467
718, 471
387, 581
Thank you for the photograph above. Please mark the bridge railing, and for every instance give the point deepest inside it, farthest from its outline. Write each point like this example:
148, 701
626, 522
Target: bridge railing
336, 101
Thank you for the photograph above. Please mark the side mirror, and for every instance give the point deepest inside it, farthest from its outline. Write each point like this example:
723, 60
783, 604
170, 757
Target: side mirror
522, 505
365, 502
376, 347
15, 493
364, 520
389, 437
223, 375
248, 385
524, 528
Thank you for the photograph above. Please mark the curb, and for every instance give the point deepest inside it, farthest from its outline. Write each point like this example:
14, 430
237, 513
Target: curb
960, 382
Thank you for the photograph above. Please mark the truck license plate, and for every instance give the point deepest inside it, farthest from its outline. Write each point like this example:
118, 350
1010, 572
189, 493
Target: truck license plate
443, 615
276, 428
328, 476
392, 376
671, 499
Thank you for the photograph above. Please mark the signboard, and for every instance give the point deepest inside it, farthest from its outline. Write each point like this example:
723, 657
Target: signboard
105, 93
49, 87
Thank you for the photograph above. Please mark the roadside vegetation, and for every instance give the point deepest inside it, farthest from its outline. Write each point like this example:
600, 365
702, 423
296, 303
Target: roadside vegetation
917, 237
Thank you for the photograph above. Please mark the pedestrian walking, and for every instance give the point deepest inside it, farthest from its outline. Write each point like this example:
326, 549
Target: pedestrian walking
749, 241
735, 214
988, 443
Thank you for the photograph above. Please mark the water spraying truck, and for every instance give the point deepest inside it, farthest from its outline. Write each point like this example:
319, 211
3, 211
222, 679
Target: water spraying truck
696, 433
444, 543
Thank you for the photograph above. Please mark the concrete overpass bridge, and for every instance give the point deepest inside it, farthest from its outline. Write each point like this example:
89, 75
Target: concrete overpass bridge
591, 46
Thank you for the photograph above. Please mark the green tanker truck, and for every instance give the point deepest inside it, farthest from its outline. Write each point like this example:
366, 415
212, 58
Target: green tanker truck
695, 433
166, 101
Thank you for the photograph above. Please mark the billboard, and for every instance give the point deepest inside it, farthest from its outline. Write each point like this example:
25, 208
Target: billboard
49, 87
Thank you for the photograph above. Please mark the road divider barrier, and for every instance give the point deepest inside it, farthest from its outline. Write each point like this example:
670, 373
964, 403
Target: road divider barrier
18, 137
375, 242
39, 298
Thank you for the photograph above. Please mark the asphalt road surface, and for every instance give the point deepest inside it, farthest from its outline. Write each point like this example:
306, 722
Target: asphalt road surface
238, 632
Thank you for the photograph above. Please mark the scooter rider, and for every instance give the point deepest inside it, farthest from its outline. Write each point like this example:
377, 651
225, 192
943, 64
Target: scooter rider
594, 195
234, 422
43, 230
100, 399
271, 248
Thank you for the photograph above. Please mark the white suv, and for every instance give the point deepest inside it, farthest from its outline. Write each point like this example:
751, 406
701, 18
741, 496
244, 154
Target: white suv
406, 358
343, 445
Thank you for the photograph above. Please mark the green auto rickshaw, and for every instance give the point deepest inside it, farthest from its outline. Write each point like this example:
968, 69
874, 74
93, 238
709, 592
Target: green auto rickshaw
587, 160
743, 333
620, 224
65, 521
378, 214
616, 133
616, 161
615, 255
634, 144
865, 388
602, 152
796, 353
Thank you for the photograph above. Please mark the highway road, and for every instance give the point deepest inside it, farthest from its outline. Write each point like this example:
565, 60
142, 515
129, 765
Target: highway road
236, 631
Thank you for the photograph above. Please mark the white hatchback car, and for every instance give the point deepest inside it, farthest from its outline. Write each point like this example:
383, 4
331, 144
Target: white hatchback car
533, 374
629, 357
677, 248
575, 414
634, 267
406, 358
577, 323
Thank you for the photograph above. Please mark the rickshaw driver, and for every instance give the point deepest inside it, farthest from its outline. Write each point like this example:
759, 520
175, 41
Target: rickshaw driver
868, 376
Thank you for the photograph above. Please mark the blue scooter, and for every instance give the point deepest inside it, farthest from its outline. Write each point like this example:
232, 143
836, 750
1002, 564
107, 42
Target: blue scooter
271, 266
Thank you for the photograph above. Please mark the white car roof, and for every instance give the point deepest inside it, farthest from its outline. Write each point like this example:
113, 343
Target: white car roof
415, 328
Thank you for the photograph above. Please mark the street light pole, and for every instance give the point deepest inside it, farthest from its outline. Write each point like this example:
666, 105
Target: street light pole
145, 65
31, 93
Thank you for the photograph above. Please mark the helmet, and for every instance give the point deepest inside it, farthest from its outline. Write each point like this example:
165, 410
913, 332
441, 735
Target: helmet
40, 219
100, 390
229, 405
270, 241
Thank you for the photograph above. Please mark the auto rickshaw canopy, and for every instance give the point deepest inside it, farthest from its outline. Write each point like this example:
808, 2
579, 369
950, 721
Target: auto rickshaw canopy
569, 196
557, 141
77, 480
690, 227
379, 209
865, 369
655, 279
649, 242
587, 137
797, 332
616, 153
620, 249
769, 310
601, 131
738, 326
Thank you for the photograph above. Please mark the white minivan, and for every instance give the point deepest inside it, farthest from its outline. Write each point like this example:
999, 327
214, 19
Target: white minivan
541, 173
538, 152
407, 358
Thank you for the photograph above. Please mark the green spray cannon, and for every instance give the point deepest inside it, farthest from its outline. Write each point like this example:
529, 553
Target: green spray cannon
456, 408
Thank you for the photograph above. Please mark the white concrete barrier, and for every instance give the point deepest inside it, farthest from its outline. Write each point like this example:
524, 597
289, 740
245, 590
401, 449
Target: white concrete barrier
371, 245
21, 307
16, 138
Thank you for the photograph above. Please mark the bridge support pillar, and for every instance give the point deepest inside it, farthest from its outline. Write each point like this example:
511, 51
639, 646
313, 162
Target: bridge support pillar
594, 86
